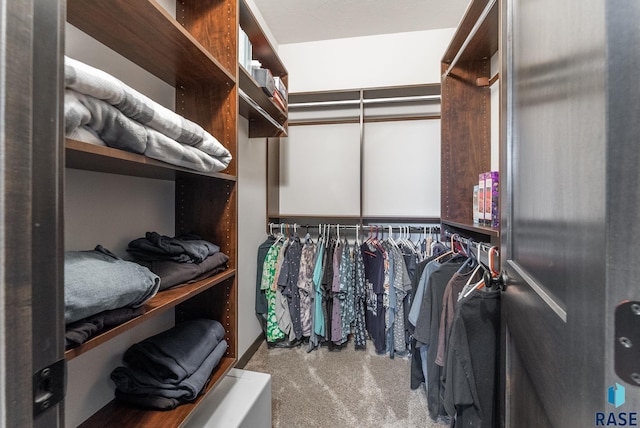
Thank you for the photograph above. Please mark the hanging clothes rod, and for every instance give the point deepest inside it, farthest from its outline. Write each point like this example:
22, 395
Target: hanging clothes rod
260, 110
485, 246
382, 228
390, 100
471, 35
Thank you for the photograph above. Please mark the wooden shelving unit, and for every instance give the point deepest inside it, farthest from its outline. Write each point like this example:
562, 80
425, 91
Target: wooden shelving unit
197, 54
466, 114
262, 106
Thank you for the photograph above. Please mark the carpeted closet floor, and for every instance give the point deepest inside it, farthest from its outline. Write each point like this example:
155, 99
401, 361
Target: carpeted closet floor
341, 389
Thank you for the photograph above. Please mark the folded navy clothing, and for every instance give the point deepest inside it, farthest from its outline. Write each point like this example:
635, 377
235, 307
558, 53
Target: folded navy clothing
149, 402
140, 387
98, 280
79, 332
173, 273
175, 354
182, 249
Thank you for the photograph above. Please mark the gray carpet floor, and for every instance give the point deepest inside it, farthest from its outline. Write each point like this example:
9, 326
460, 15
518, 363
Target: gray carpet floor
341, 389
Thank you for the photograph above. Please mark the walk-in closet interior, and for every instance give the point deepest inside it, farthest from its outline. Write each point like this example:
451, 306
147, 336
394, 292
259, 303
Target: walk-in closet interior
248, 213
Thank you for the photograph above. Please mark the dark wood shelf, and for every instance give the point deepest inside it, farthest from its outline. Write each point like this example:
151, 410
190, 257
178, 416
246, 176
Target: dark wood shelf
91, 157
485, 41
466, 114
264, 52
490, 231
160, 303
259, 126
255, 92
117, 414
144, 32
196, 53
262, 48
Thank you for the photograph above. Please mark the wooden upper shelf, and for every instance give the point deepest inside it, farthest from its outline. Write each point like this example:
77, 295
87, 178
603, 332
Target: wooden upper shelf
262, 48
145, 33
484, 42
81, 155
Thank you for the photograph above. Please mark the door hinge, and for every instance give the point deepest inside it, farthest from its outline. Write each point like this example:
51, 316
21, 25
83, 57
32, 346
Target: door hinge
49, 386
627, 342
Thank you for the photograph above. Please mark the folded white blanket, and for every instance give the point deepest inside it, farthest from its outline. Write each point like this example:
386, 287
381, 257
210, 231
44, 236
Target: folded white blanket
100, 107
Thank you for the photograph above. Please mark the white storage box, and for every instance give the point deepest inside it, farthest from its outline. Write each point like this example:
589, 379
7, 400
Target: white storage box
241, 400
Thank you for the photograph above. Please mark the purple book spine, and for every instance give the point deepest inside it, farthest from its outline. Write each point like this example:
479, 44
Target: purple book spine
495, 199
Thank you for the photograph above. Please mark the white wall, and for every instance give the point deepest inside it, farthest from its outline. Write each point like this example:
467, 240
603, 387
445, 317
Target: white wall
319, 164
320, 170
366, 62
252, 220
402, 168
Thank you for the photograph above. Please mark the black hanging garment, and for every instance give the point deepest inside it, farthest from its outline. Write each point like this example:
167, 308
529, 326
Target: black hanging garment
471, 367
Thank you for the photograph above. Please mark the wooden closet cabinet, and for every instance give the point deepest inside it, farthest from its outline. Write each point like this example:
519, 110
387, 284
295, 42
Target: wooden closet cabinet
197, 54
466, 116
266, 119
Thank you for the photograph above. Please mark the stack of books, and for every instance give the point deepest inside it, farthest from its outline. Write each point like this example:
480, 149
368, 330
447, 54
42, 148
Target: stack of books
486, 200
245, 50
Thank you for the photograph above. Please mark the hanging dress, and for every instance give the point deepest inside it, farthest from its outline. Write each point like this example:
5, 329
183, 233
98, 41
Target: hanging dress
268, 278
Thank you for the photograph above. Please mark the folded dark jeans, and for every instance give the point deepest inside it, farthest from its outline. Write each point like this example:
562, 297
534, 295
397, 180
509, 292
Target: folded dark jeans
140, 383
175, 354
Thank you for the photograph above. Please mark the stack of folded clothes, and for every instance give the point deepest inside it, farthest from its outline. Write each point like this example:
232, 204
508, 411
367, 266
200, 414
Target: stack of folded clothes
101, 291
170, 368
178, 260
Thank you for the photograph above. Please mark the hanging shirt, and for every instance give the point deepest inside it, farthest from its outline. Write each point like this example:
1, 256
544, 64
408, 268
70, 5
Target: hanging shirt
347, 298
268, 274
427, 330
288, 283
334, 296
261, 305
401, 286
374, 260
305, 286
471, 387
360, 296
318, 316
449, 300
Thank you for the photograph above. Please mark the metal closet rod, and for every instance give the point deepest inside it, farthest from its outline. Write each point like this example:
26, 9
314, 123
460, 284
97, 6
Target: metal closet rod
485, 246
389, 100
380, 227
260, 110
471, 35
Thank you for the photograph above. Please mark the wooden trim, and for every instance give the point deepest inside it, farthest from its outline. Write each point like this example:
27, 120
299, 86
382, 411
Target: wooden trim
253, 348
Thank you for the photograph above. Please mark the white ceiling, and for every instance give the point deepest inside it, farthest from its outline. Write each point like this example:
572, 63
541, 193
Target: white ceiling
294, 21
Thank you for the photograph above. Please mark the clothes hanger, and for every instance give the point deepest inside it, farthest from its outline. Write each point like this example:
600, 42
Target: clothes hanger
452, 250
390, 238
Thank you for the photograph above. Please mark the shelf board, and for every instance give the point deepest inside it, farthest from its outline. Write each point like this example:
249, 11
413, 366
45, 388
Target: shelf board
117, 414
144, 32
160, 303
91, 157
490, 231
484, 43
261, 47
255, 92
